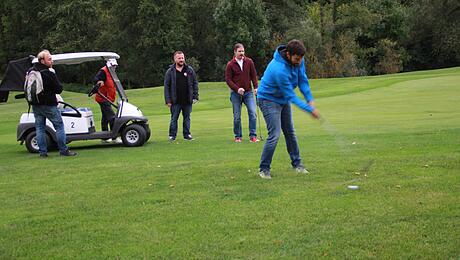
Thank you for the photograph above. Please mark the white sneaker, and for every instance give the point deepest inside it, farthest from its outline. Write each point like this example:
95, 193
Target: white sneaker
107, 141
265, 174
117, 141
301, 169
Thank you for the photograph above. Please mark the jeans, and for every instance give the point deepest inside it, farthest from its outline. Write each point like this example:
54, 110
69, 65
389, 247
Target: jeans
41, 113
175, 111
108, 116
248, 99
278, 117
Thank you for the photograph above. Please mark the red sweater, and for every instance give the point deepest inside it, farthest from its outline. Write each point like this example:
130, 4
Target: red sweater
108, 89
237, 78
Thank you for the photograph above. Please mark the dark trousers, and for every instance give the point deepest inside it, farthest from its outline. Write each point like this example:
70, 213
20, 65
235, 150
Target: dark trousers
108, 116
175, 111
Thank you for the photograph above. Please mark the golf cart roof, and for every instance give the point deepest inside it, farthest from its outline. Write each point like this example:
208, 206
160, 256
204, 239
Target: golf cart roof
80, 57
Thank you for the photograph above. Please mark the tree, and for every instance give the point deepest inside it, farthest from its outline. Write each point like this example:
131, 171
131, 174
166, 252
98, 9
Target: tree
434, 40
241, 21
22, 29
204, 48
71, 33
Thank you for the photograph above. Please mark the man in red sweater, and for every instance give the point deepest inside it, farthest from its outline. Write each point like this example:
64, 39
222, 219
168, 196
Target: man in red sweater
239, 74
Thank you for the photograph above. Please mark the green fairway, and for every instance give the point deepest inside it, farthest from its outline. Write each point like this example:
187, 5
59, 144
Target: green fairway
397, 137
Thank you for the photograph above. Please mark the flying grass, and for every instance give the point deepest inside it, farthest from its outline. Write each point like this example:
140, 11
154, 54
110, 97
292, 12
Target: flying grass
396, 137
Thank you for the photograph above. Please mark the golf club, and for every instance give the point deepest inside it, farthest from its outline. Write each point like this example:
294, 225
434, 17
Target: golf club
258, 115
341, 141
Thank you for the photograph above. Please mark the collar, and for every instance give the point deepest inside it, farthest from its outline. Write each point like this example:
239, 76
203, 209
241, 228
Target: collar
235, 60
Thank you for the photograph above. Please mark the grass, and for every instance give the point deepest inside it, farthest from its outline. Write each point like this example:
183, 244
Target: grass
397, 137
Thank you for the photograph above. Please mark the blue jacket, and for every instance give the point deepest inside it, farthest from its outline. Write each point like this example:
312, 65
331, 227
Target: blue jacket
281, 78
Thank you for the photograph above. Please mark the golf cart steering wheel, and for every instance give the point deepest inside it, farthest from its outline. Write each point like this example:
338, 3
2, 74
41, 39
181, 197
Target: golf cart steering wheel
93, 90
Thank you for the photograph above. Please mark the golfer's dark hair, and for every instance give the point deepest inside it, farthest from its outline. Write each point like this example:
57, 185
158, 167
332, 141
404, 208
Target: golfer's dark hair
295, 47
177, 52
237, 45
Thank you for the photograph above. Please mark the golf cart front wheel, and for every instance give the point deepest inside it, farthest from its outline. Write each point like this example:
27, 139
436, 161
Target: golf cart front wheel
133, 135
32, 143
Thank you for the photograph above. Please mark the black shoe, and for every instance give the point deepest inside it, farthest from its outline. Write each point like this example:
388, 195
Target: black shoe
68, 153
188, 137
43, 155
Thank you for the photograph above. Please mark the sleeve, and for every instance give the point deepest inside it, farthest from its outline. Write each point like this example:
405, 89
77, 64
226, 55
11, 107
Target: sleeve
100, 76
253, 74
287, 89
167, 87
54, 82
229, 78
195, 86
304, 86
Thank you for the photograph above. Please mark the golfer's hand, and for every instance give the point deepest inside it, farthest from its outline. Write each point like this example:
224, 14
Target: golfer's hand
100, 83
194, 101
255, 91
315, 114
169, 105
241, 91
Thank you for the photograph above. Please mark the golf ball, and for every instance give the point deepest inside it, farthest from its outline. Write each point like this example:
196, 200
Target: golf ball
353, 187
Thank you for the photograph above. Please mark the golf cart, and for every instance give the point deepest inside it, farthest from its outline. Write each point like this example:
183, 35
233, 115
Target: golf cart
129, 123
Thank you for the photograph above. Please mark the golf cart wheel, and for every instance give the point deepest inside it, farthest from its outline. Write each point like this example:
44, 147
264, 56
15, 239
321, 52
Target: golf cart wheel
133, 135
148, 132
32, 143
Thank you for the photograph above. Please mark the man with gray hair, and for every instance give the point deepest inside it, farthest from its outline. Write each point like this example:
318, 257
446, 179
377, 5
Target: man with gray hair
46, 107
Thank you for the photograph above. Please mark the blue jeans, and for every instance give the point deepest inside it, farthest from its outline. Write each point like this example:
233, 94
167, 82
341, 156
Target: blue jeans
52, 113
175, 111
248, 99
278, 117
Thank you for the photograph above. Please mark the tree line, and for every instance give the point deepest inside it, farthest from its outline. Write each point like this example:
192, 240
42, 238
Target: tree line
343, 37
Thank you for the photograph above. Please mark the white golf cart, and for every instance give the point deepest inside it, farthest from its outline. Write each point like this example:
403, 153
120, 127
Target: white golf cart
129, 122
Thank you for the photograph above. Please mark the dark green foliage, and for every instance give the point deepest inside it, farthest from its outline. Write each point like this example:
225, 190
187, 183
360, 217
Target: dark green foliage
435, 34
343, 37
241, 21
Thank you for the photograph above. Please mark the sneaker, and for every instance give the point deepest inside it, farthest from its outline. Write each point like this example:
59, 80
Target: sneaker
43, 155
172, 138
117, 141
238, 139
301, 169
107, 141
254, 139
68, 153
265, 174
189, 137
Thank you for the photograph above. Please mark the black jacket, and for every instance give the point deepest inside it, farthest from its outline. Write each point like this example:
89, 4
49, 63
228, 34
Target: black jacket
170, 84
51, 85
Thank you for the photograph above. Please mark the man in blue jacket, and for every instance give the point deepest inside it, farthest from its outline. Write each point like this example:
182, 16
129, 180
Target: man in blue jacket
275, 94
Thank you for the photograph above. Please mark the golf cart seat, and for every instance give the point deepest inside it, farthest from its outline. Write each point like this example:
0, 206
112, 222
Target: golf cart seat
76, 113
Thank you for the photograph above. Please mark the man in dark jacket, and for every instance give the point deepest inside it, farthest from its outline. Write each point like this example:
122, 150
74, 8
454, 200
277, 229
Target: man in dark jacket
181, 91
46, 108
239, 74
